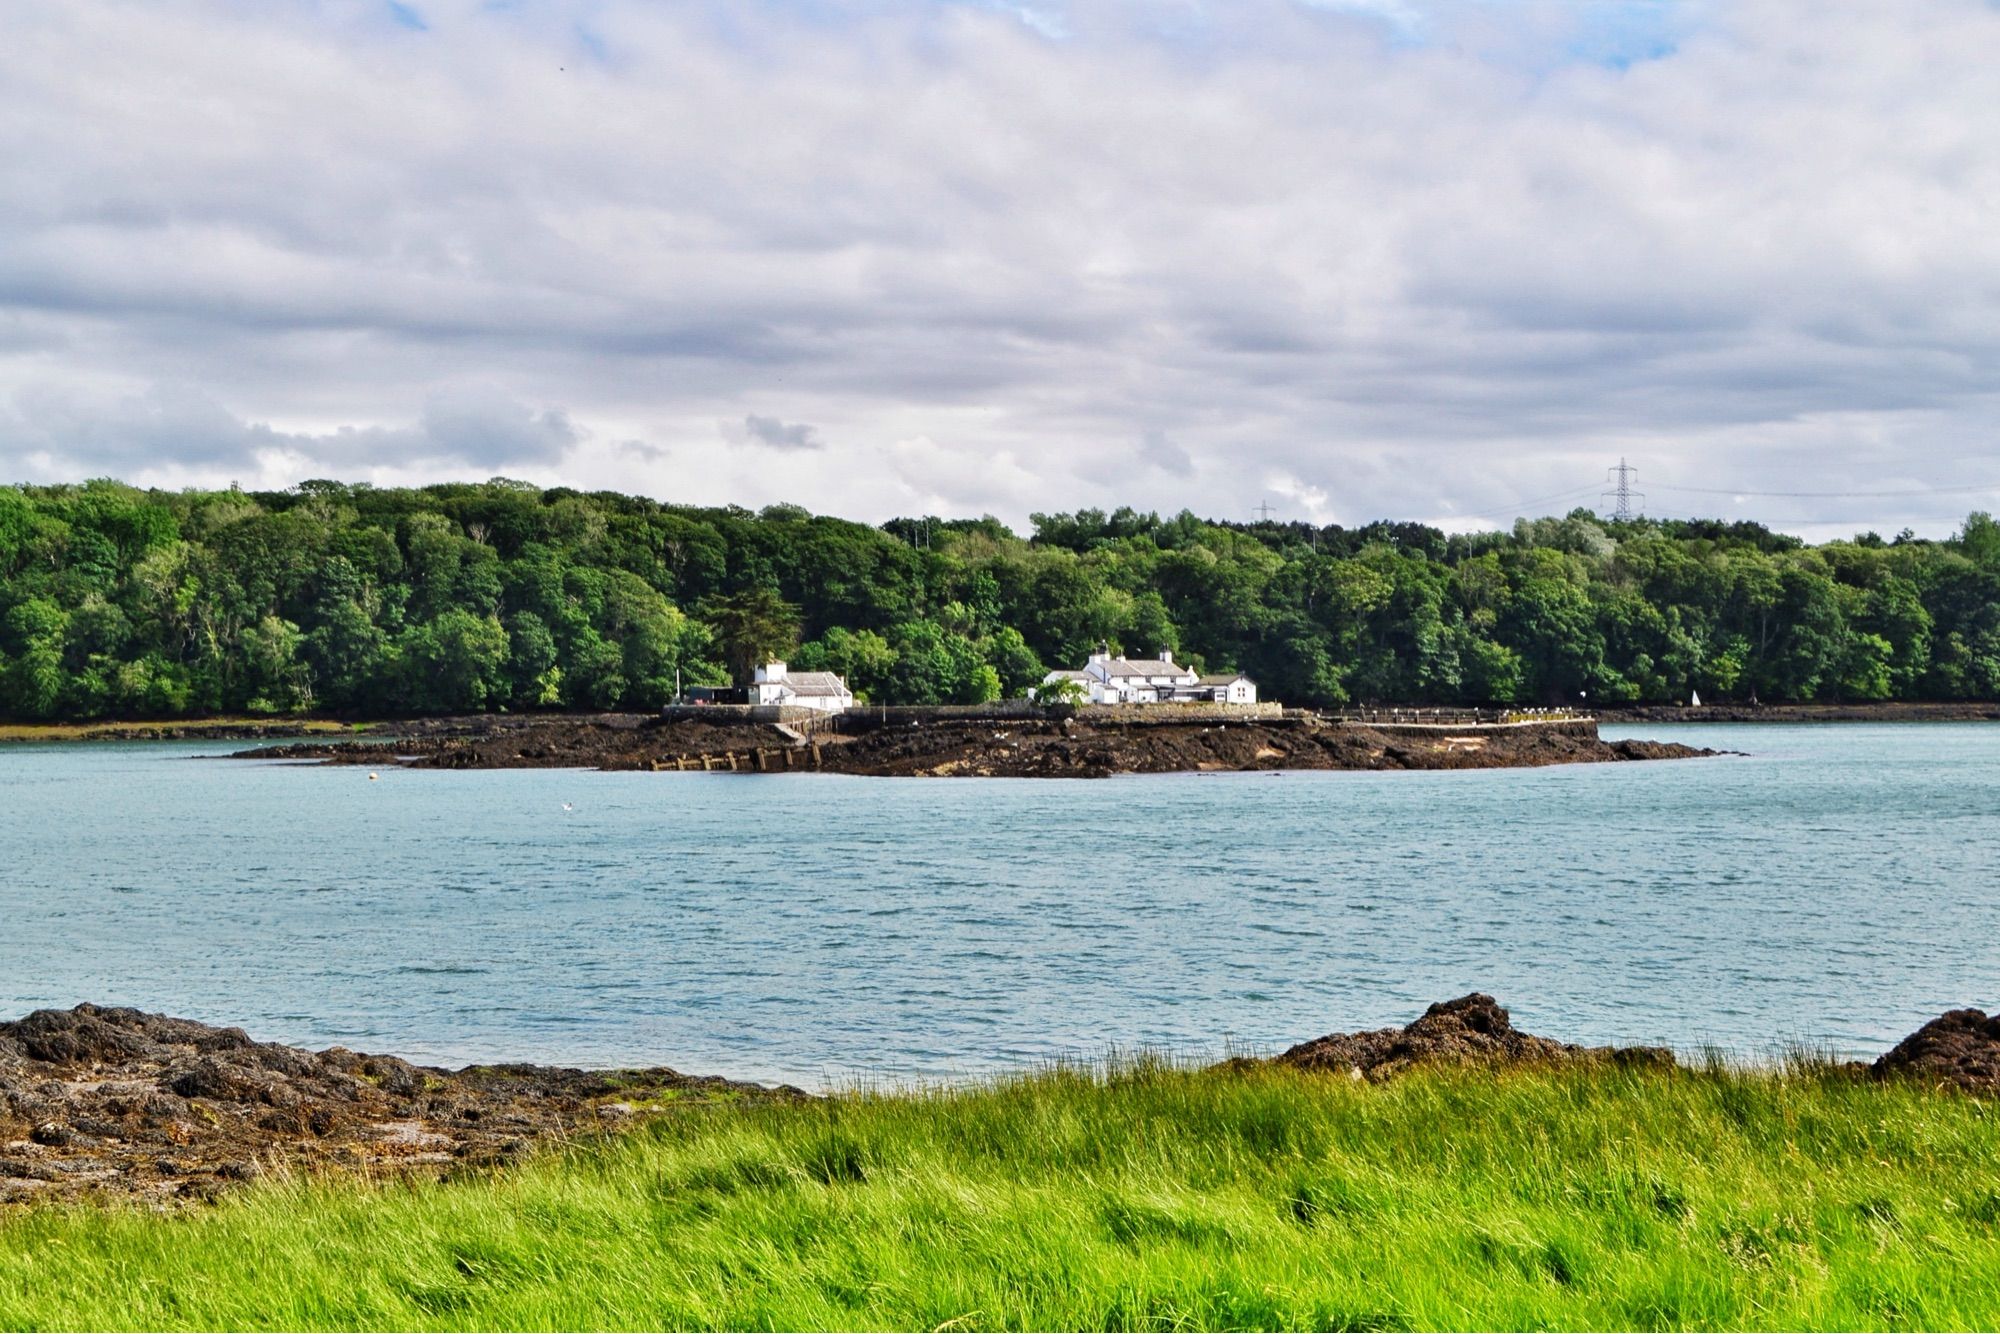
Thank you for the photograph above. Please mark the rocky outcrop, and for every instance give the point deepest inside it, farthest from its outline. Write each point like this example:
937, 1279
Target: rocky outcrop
1025, 747
1472, 1030
117, 1103
98, 1101
1960, 1048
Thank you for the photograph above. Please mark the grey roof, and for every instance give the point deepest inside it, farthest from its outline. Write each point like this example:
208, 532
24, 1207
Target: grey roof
815, 683
1226, 678
1118, 667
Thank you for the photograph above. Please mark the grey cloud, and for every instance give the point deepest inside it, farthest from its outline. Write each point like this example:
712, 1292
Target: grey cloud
177, 427
490, 426
127, 431
1162, 453
1398, 256
773, 433
1117, 466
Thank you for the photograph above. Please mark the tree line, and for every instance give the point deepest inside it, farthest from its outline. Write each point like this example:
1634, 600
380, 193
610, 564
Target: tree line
355, 600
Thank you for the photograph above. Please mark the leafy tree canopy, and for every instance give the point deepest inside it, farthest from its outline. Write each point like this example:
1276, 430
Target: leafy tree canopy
352, 599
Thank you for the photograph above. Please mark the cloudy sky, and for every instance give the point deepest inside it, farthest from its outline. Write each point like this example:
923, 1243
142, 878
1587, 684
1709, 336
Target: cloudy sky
1436, 259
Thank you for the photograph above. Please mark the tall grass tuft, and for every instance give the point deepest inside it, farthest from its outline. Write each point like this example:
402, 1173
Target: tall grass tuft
1141, 1196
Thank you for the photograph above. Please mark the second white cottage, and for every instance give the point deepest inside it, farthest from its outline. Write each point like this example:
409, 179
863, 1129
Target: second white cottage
1161, 680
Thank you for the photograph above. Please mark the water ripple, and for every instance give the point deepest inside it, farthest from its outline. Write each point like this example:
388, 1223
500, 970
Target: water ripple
1834, 887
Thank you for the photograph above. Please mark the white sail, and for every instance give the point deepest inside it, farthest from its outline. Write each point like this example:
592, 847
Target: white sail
1694, 699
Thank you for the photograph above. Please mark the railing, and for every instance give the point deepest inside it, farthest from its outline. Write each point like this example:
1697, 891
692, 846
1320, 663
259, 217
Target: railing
1446, 716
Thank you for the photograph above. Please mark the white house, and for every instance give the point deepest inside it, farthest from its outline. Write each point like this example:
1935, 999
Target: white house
1161, 680
774, 683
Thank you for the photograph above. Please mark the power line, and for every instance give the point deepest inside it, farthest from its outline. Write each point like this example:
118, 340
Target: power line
1787, 522
1777, 524
1631, 495
1611, 493
1521, 505
1827, 495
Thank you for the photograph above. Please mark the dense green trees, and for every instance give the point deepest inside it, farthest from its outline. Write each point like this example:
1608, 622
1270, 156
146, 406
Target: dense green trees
350, 599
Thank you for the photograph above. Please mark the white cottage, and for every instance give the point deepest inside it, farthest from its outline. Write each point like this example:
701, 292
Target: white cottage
1161, 680
774, 683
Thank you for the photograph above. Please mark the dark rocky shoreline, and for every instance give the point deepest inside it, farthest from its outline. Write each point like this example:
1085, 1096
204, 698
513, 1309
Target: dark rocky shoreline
1016, 747
97, 1101
115, 1104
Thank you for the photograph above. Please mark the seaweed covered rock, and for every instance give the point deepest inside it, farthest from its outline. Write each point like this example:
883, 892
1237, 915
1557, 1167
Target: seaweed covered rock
85, 1035
1959, 1047
1471, 1030
1003, 746
97, 1100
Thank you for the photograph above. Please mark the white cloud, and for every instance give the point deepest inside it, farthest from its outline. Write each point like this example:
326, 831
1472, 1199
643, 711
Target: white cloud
1408, 258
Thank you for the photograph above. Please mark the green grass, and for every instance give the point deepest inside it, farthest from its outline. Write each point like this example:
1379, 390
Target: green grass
86, 731
1147, 1198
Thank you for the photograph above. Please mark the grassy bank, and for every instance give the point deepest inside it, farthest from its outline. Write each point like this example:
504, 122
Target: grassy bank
1153, 1198
91, 731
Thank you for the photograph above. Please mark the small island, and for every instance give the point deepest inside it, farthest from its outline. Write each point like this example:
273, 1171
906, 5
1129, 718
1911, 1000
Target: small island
997, 741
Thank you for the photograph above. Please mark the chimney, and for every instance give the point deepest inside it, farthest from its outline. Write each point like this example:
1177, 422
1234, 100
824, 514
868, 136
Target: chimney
1103, 653
1167, 656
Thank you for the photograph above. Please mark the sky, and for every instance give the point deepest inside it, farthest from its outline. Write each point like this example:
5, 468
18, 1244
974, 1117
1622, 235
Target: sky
1444, 260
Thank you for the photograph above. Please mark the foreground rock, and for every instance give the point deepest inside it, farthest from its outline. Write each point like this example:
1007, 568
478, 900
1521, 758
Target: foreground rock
114, 1102
1472, 1030
118, 1104
1017, 747
1959, 1047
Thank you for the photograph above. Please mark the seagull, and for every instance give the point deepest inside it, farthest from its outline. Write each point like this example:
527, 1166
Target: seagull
372, 777
568, 807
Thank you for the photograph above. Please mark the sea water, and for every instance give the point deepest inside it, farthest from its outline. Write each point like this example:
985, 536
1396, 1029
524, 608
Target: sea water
1833, 886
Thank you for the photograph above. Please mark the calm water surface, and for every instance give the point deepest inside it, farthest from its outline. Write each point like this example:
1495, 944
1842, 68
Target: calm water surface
1837, 885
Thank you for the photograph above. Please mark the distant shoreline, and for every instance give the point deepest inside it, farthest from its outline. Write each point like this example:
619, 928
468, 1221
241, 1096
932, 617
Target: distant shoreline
228, 728
1950, 712
188, 729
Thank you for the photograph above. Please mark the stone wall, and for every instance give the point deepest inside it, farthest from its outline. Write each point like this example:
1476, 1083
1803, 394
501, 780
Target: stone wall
1583, 727
741, 713
868, 717
1203, 711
